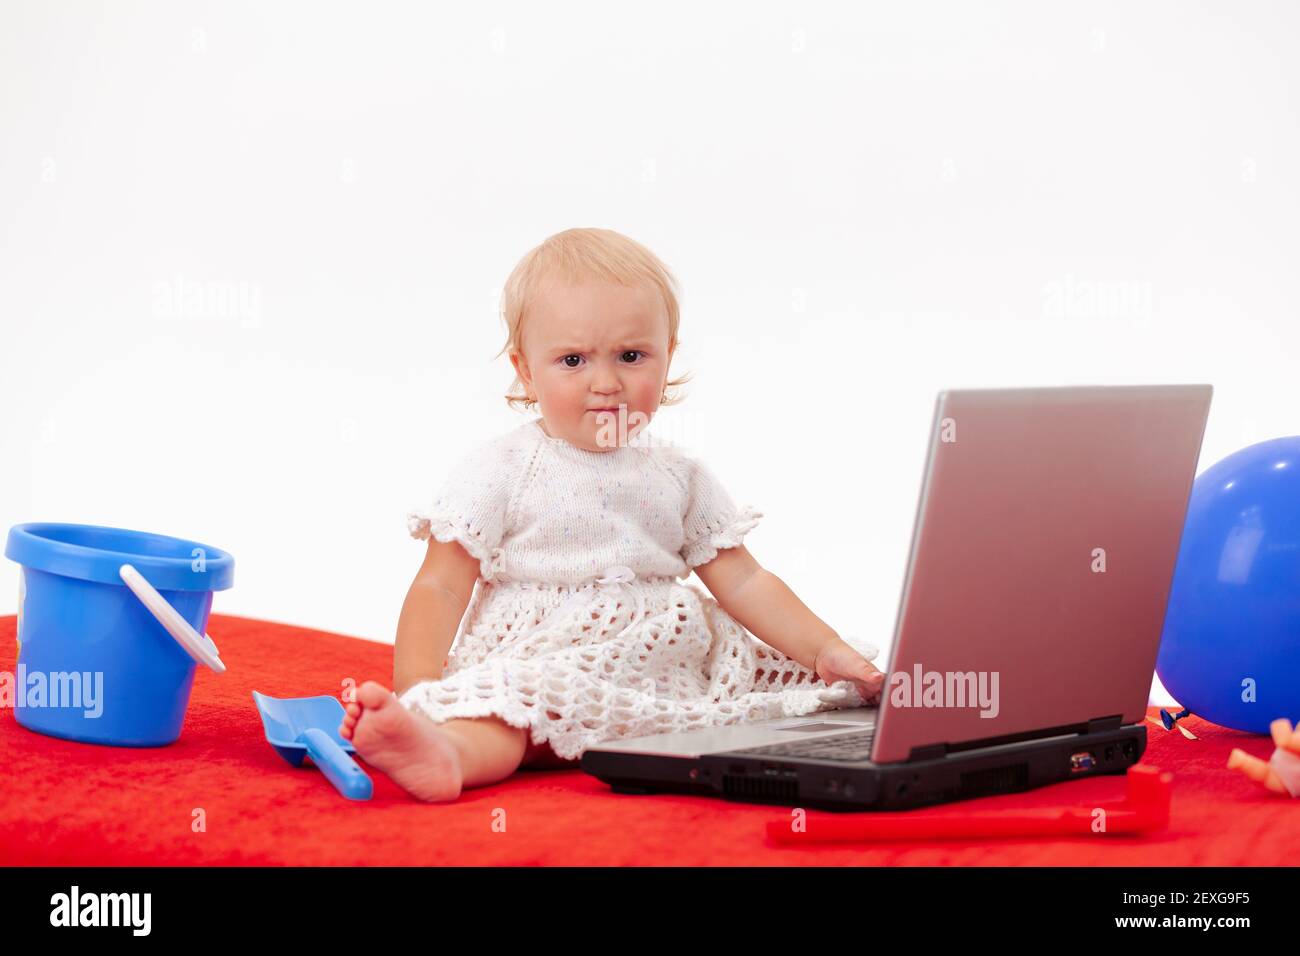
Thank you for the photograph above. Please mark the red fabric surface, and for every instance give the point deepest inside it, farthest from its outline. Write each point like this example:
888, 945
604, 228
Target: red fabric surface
80, 804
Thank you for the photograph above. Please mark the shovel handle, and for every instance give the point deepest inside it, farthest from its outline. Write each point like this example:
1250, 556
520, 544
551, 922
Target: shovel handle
340, 769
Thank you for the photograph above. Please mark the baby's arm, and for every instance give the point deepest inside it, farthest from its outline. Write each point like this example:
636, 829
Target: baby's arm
432, 613
765, 606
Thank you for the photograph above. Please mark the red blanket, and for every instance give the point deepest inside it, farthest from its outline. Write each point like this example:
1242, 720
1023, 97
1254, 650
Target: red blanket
71, 803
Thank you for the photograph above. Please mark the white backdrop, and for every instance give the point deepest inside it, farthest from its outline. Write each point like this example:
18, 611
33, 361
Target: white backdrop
251, 252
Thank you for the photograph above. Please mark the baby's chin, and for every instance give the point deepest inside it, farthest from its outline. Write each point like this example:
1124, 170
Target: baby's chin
607, 438
605, 430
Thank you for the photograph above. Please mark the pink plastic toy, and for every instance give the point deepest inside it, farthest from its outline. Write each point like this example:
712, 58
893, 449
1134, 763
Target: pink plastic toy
1281, 772
1145, 807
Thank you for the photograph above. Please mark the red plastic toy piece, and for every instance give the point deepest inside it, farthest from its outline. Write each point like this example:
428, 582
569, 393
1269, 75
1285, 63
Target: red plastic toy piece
1145, 807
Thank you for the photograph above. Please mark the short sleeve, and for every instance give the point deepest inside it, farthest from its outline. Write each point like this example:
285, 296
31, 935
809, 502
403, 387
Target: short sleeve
712, 521
471, 506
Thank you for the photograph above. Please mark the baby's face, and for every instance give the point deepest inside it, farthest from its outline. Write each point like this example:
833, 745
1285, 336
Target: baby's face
594, 346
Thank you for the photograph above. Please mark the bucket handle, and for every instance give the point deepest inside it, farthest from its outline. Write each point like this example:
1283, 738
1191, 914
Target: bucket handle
198, 646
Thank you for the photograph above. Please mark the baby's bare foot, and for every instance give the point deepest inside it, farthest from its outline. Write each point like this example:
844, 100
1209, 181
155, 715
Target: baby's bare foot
420, 757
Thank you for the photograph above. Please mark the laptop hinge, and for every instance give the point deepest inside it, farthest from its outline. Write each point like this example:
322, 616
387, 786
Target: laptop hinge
1093, 726
928, 752
1098, 724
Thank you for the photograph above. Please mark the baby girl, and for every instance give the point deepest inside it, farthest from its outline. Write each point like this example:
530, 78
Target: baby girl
576, 529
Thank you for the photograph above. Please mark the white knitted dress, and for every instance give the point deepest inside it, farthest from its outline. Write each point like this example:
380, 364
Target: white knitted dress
579, 629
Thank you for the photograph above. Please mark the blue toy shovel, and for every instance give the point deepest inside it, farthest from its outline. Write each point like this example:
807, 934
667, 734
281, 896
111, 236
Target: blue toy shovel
300, 727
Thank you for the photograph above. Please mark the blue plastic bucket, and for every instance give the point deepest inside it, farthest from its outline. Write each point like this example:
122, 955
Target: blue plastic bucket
96, 664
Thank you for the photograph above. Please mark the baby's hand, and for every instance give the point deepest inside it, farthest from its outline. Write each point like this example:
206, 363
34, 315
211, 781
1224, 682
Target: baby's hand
838, 661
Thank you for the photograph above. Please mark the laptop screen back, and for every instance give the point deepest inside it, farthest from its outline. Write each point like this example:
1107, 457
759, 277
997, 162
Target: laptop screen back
1043, 553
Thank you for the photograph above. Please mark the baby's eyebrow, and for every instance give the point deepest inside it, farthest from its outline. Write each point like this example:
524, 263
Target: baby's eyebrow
565, 349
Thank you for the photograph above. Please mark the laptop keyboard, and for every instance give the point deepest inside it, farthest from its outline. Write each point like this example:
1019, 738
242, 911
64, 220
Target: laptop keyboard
851, 746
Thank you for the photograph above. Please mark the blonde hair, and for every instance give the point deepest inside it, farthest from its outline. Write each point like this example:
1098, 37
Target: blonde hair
574, 255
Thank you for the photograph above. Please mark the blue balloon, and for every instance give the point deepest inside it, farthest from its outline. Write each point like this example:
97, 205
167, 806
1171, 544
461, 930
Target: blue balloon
1230, 652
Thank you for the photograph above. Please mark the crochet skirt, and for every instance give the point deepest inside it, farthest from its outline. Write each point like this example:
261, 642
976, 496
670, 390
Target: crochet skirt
617, 658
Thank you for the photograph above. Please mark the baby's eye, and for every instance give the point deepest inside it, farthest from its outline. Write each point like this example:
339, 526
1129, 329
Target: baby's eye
575, 355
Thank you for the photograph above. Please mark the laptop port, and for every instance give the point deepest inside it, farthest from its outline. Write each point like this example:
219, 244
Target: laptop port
1082, 761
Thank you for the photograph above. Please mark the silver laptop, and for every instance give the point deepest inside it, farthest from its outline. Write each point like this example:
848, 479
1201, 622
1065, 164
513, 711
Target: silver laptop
1043, 551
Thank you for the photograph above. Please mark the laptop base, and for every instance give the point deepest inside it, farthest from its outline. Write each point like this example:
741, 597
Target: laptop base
863, 785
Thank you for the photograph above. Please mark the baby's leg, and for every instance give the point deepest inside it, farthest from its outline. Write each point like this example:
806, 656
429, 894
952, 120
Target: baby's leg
431, 761
491, 749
